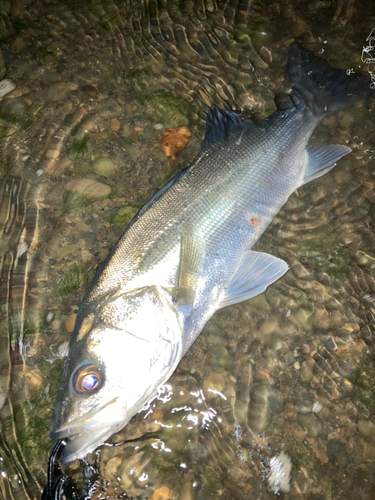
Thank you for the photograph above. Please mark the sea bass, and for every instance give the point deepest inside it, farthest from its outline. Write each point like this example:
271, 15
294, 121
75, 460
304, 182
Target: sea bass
188, 253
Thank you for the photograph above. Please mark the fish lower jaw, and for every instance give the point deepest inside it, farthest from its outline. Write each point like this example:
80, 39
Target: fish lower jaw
79, 444
63, 434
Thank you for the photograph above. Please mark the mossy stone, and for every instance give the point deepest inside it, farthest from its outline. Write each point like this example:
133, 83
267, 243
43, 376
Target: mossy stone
124, 215
166, 109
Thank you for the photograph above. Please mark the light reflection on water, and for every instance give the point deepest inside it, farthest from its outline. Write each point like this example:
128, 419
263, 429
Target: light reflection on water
290, 370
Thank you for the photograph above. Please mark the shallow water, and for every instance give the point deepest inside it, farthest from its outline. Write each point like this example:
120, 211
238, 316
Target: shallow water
292, 370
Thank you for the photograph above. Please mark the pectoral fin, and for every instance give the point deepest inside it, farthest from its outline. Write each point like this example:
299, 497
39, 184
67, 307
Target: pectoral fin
255, 272
321, 159
192, 255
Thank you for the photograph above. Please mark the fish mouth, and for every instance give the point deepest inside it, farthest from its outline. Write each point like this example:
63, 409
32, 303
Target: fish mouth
82, 441
86, 433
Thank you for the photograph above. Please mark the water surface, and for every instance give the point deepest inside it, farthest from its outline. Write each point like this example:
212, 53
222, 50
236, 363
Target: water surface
292, 370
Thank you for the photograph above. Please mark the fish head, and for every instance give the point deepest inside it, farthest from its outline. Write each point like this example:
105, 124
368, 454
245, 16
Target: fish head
118, 357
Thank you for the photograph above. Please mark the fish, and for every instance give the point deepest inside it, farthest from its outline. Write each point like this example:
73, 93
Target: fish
188, 252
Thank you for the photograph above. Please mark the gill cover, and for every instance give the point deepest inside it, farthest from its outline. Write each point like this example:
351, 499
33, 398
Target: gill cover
132, 347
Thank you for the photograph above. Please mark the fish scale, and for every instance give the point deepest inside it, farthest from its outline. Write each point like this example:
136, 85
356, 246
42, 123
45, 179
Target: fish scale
187, 253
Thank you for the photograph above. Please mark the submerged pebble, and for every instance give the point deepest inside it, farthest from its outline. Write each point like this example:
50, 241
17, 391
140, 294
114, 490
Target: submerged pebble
89, 188
279, 476
213, 385
6, 86
104, 166
163, 493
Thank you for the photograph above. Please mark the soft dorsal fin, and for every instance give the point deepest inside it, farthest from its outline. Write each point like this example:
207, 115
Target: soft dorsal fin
220, 123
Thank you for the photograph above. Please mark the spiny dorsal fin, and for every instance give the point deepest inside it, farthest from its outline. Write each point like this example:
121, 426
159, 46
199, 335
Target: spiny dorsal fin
220, 123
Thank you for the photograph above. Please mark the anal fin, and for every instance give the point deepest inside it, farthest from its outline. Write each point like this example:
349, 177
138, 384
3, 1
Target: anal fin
254, 274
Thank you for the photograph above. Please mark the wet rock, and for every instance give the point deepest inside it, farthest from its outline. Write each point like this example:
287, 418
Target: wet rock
337, 319
53, 154
55, 167
104, 166
110, 108
134, 152
322, 456
87, 93
212, 385
33, 379
299, 432
70, 322
58, 91
14, 107
260, 303
299, 271
311, 424
365, 260
222, 356
163, 493
3, 398
269, 326
264, 402
3, 68
302, 408
366, 428
321, 319
89, 188
51, 77
196, 451
124, 215
186, 492
368, 452
6, 86
348, 430
317, 407
335, 448
181, 395
67, 250
307, 370
279, 477
62, 350
115, 124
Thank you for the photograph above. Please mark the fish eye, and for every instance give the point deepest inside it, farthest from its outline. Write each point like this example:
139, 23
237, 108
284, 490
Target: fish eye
88, 379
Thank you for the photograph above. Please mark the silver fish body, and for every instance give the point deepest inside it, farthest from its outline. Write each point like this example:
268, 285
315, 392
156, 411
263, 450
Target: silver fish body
188, 253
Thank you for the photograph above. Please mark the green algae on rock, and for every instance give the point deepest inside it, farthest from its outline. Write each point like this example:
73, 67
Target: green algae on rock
166, 109
124, 215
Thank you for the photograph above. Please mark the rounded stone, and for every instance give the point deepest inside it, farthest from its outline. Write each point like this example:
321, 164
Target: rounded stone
311, 424
163, 493
115, 124
105, 167
186, 492
70, 322
124, 215
58, 91
214, 384
89, 188
14, 107
6, 86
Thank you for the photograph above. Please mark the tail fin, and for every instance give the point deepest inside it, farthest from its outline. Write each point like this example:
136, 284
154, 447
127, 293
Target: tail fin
323, 88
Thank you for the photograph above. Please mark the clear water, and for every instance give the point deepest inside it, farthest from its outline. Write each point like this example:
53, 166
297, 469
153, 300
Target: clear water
293, 369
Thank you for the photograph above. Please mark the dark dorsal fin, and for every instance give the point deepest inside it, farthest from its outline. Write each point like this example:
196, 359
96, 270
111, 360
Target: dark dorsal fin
220, 123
